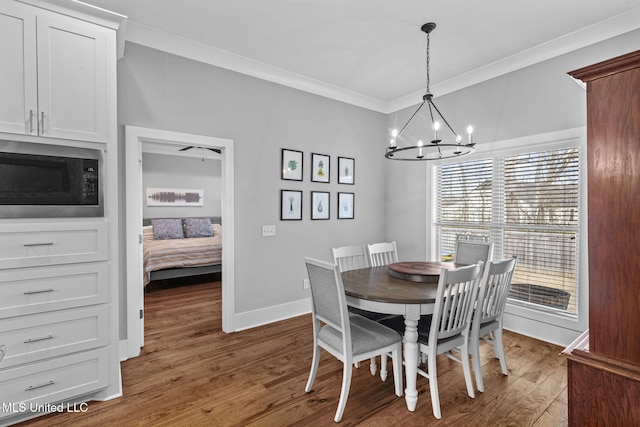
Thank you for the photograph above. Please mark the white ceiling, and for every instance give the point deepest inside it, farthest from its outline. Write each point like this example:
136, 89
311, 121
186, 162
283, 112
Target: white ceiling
371, 52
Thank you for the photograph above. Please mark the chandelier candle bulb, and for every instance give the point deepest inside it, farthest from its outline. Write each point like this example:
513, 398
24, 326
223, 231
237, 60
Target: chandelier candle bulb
436, 127
469, 132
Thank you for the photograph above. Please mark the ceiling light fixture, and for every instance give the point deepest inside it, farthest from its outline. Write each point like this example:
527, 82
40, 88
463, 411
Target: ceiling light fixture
435, 148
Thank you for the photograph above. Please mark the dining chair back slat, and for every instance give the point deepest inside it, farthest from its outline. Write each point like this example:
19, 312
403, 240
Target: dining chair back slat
472, 252
382, 253
350, 257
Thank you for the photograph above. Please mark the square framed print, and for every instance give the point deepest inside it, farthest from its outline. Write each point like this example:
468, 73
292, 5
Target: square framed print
292, 165
290, 205
320, 167
346, 170
345, 205
319, 205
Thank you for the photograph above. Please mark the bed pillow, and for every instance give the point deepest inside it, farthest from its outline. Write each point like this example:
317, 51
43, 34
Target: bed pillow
164, 229
197, 227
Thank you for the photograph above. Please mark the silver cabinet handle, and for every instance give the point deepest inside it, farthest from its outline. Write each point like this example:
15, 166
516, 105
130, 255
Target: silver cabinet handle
30, 121
38, 244
29, 341
31, 387
42, 123
38, 292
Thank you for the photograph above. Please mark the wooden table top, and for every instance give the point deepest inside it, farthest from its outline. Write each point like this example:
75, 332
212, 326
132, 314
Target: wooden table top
376, 284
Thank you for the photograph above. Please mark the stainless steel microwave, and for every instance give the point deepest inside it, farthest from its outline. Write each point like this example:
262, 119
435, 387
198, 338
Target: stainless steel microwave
48, 181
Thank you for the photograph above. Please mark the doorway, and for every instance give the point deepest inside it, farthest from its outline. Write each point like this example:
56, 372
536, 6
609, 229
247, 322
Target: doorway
139, 140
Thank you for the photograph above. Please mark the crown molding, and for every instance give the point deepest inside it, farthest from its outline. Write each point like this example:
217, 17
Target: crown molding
587, 36
163, 41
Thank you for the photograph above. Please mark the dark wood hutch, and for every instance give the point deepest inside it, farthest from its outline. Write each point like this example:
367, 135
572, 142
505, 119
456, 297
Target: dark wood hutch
604, 363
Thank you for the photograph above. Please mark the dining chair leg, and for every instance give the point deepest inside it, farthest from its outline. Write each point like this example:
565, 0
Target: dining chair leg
396, 355
433, 386
372, 366
499, 351
383, 367
477, 367
315, 361
344, 392
464, 355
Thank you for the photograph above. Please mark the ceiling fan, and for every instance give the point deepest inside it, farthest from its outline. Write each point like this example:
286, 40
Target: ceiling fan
217, 150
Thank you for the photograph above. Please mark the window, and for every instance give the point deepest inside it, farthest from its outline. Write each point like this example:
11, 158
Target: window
527, 205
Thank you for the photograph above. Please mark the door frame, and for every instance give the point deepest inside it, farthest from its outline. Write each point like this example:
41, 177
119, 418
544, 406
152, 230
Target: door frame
135, 138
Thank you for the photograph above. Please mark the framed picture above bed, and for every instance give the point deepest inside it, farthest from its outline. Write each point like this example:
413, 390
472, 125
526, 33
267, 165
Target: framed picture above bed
174, 197
290, 205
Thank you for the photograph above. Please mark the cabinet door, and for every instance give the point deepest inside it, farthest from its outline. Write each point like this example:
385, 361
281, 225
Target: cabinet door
72, 85
18, 84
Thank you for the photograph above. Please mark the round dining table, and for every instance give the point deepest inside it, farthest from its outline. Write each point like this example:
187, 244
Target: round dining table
405, 288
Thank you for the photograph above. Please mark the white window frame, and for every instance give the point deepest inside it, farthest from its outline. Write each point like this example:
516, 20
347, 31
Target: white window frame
551, 326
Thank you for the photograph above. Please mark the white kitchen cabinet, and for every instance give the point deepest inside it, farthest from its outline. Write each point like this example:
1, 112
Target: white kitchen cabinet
59, 277
54, 75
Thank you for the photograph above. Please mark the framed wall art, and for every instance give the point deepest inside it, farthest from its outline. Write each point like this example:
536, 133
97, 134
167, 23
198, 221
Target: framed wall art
292, 165
174, 197
345, 205
319, 205
346, 170
320, 164
290, 205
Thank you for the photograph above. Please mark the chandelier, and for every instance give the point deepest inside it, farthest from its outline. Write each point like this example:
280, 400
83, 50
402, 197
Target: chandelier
435, 148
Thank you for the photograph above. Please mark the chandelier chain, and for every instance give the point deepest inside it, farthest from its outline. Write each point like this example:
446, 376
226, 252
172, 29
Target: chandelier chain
427, 60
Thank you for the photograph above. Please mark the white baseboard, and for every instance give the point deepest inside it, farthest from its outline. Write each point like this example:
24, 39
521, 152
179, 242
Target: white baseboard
540, 330
263, 316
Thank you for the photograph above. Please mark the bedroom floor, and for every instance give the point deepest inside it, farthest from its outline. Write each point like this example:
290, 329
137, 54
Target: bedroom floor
191, 373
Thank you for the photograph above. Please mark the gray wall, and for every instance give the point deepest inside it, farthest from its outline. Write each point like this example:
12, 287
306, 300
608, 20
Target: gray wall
163, 91
163, 171
158, 90
534, 100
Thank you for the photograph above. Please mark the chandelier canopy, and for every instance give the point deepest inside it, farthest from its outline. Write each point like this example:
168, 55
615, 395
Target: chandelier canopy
432, 147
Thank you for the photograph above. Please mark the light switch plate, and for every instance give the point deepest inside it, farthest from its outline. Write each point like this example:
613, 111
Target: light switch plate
268, 230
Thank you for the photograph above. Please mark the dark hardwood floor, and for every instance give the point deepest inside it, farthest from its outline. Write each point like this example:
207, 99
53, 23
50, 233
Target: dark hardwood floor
191, 373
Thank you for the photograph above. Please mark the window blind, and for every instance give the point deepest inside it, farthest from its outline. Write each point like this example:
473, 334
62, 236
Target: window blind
527, 205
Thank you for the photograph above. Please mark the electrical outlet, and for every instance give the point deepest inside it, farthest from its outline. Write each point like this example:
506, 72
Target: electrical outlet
268, 230
305, 284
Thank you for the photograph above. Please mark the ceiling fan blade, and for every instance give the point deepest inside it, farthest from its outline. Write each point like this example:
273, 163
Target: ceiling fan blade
217, 150
186, 148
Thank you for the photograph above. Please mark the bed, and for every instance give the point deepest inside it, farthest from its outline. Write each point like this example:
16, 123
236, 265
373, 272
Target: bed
171, 248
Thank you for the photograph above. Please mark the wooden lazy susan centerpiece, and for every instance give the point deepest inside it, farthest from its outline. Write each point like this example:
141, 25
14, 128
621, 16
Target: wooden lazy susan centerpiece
419, 271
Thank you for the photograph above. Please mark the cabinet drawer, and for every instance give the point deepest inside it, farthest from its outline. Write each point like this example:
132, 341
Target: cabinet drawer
37, 244
35, 290
24, 388
39, 336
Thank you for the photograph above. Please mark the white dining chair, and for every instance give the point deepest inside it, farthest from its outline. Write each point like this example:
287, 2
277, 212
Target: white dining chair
382, 253
350, 257
349, 337
449, 328
472, 252
486, 324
